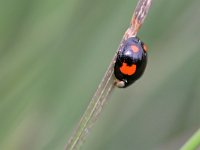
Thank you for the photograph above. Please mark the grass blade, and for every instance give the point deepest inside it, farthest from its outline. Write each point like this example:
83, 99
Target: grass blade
193, 143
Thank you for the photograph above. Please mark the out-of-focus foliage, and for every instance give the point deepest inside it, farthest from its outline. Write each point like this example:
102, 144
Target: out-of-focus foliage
53, 54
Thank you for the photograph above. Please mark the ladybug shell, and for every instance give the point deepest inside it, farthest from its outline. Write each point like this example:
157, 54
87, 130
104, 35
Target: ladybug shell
131, 61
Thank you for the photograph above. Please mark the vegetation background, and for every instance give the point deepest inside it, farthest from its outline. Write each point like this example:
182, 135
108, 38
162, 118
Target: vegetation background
53, 54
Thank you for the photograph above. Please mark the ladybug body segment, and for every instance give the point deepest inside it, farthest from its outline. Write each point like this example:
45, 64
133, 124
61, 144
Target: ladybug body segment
130, 62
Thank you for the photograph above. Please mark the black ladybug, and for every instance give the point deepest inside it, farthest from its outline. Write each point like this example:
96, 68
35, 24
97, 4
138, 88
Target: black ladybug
130, 62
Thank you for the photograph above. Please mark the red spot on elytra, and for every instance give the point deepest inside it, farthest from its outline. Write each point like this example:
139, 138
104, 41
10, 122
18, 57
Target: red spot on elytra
128, 70
145, 47
134, 48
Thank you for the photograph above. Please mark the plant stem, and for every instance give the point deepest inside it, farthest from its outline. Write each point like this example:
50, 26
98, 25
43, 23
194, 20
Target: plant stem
108, 82
93, 110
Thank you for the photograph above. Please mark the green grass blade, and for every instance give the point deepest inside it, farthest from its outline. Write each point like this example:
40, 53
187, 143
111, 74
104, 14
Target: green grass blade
193, 143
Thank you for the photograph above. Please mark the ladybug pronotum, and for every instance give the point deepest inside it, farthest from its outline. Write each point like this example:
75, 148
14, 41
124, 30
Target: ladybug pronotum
130, 62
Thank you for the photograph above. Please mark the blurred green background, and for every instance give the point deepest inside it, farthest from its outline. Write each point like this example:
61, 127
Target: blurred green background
53, 54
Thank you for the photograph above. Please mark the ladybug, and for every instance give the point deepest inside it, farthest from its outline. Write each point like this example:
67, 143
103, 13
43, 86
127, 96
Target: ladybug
130, 62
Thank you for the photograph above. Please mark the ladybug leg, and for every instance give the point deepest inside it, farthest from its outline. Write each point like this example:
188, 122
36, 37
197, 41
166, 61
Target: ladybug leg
120, 84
